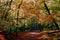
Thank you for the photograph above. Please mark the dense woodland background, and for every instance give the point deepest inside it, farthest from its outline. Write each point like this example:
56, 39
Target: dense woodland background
29, 15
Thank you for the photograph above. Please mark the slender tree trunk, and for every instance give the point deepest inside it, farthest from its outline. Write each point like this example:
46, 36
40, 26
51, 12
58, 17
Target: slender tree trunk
49, 14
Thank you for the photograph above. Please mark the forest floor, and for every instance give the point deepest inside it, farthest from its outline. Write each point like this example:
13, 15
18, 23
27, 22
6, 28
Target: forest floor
44, 35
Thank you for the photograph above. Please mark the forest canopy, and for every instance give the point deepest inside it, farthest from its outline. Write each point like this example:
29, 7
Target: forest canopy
27, 15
